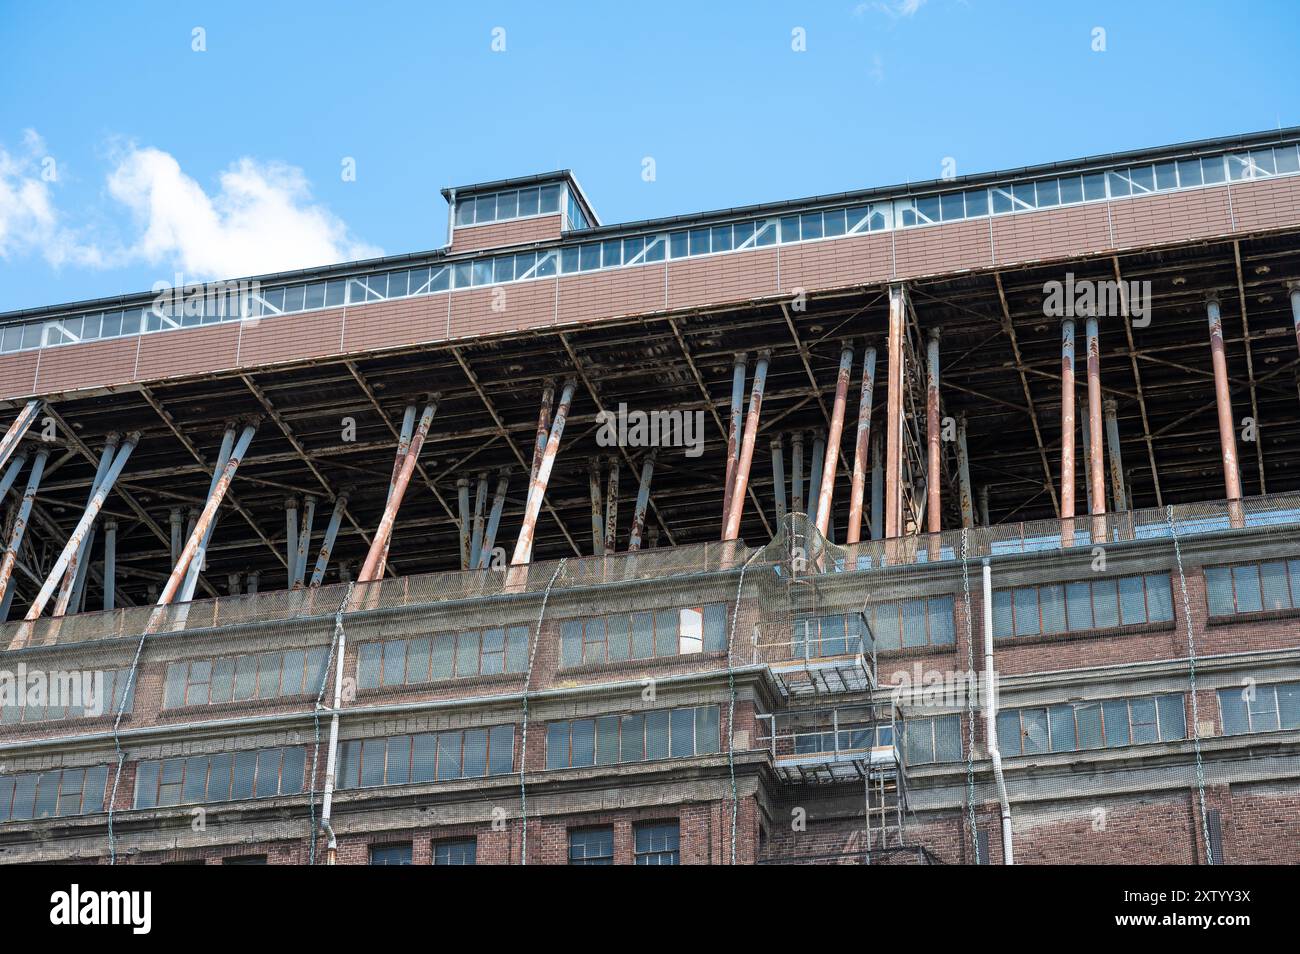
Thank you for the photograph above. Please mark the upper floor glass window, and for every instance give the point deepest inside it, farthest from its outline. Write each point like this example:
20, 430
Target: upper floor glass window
1253, 587
1105, 723
591, 846
85, 699
71, 791
460, 852
636, 737
1260, 708
658, 843
397, 662
841, 634
397, 854
510, 204
936, 739
1052, 608
912, 623
199, 682
616, 638
226, 776
431, 756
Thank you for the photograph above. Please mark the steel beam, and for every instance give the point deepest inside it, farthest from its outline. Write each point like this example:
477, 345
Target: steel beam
611, 507
1118, 494
304, 539
480, 506
1096, 432
1223, 407
796, 473
642, 503
78, 563
894, 416
740, 368
19, 528
778, 477
597, 507
877, 489
462, 501
198, 564
291, 537
933, 426
861, 447
1067, 430
14, 435
816, 466
371, 569
537, 486
494, 518
732, 529
327, 544
110, 563
11, 473
965, 499
833, 440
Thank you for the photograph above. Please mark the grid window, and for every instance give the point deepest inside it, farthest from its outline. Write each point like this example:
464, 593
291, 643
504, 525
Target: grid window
591, 846
398, 854
657, 734
430, 756
85, 698
462, 852
932, 740
1253, 587
617, 638
62, 792
1108, 723
1054, 608
200, 682
1260, 708
658, 843
425, 659
912, 623
836, 635
218, 778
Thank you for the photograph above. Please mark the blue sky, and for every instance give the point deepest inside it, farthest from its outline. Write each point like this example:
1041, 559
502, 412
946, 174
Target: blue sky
126, 155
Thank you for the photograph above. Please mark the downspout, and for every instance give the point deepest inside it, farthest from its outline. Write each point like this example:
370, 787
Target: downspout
991, 717
331, 756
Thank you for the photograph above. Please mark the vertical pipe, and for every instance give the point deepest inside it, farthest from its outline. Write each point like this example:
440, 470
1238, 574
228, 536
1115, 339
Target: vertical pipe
327, 544
861, 448
738, 370
1223, 402
597, 508
480, 512
611, 508
833, 440
963, 476
991, 717
1096, 435
642, 502
894, 417
462, 504
932, 435
796, 473
877, 490
817, 464
304, 539
537, 487
1067, 431
83, 526
110, 563
20, 522
190, 552
291, 541
22, 423
732, 529
379, 545
778, 477
11, 473
77, 564
177, 518
543, 427
494, 518
1118, 492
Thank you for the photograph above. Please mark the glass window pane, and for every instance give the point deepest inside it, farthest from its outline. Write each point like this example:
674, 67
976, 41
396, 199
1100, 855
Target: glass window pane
550, 199
1288, 704
913, 622
656, 732
1026, 607
1218, 588
501, 750
1142, 718
1132, 600
1273, 582
1008, 732
1003, 618
706, 730
810, 225
632, 739
1263, 709
467, 654
942, 625
607, 728
699, 241
977, 203
1049, 193
1034, 722
947, 739
1115, 714
1245, 584
449, 755
1119, 184
1071, 189
1189, 172
1160, 605
1061, 719
1143, 179
1173, 717
1051, 602
1088, 719
683, 732
1166, 176
951, 206
476, 752
1105, 604
1212, 169
583, 742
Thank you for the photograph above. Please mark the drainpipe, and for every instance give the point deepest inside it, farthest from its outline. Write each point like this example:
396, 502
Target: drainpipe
991, 717
331, 757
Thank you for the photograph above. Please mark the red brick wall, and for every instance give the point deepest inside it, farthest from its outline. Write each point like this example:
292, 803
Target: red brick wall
468, 238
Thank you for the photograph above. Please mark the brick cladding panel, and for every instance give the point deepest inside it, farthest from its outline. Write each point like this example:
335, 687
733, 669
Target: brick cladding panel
86, 366
1081, 230
628, 291
1266, 203
395, 323
175, 354
502, 234
836, 263
942, 249
18, 374
1175, 217
288, 338
710, 281
505, 308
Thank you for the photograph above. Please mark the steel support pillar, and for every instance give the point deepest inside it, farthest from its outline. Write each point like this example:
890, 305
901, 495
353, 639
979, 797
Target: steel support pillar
1067, 431
732, 529
796, 473
1223, 403
1096, 433
21, 425
1118, 492
543, 428
642, 503
537, 486
191, 581
597, 508
877, 490
984, 507
327, 544
403, 445
374, 563
894, 416
19, 528
933, 436
77, 565
177, 519
740, 367
291, 540
304, 540
816, 466
966, 500
861, 448
110, 563
480, 514
494, 518
611, 507
778, 477
462, 506
833, 441
11, 473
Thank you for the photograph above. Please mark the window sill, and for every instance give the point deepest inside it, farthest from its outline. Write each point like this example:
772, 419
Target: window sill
199, 708
928, 650
495, 679
1137, 629
632, 664
1259, 616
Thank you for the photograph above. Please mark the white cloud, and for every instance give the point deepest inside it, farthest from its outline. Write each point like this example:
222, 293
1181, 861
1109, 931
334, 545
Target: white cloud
895, 9
29, 221
261, 219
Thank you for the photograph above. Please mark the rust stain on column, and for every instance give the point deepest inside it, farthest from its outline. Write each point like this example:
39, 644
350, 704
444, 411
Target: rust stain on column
861, 448
1096, 436
796, 472
738, 370
537, 486
597, 508
894, 418
833, 439
1223, 402
642, 503
611, 508
963, 476
934, 516
1067, 431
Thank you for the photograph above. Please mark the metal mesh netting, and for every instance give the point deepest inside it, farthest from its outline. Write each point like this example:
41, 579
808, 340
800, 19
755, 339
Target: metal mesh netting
866, 757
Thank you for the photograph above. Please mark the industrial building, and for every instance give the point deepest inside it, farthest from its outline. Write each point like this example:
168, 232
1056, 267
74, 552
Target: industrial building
948, 523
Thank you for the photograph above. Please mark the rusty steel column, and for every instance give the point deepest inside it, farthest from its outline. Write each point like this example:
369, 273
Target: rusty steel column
1096, 435
834, 438
379, 544
11, 473
796, 473
1117, 490
816, 465
934, 463
304, 539
963, 476
403, 445
611, 508
642, 503
741, 485
1295, 310
291, 540
83, 526
110, 563
894, 417
861, 448
494, 518
77, 565
543, 427
254, 578
480, 508
652, 537
984, 507
740, 367
20, 521
232, 584
191, 581
14, 435
327, 544
778, 477
192, 545
597, 508
537, 486
462, 506
1223, 402
1085, 456
877, 489
177, 519
1067, 431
